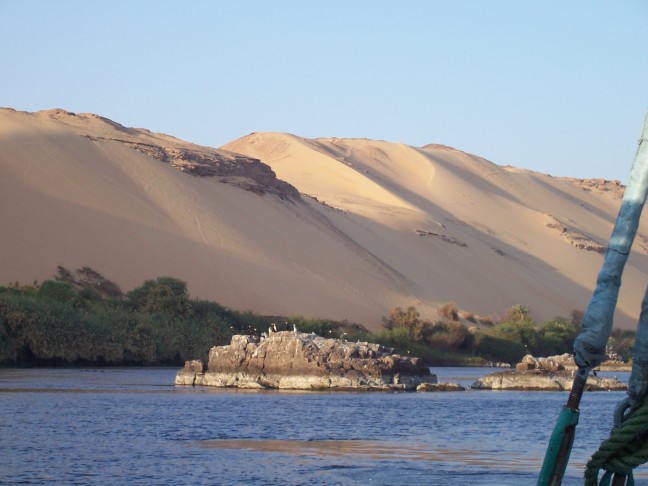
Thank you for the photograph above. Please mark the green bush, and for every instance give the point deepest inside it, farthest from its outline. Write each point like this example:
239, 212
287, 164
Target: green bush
59, 291
498, 349
164, 295
557, 337
518, 314
525, 335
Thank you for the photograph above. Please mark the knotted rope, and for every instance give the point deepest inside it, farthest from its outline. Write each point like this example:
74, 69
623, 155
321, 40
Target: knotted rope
627, 446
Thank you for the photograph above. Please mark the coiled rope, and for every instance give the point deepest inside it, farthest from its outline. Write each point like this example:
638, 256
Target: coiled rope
624, 450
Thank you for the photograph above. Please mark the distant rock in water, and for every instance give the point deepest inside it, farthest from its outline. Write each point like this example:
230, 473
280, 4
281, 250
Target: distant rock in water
299, 361
439, 387
554, 373
550, 364
566, 362
539, 380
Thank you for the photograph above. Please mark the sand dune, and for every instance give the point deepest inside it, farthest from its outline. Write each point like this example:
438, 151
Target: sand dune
460, 227
377, 224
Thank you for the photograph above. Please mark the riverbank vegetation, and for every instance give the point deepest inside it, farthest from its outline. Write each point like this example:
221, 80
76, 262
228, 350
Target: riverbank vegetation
82, 319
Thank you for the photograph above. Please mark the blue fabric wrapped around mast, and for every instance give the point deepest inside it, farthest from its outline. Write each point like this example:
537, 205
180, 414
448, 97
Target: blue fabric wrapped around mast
638, 382
589, 347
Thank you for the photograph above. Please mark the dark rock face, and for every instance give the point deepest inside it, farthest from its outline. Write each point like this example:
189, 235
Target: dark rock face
601, 186
227, 167
244, 172
289, 360
575, 238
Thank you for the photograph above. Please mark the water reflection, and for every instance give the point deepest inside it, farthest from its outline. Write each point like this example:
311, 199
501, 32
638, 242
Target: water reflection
373, 450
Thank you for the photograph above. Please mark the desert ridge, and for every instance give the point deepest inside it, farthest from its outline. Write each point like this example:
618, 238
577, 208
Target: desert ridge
278, 224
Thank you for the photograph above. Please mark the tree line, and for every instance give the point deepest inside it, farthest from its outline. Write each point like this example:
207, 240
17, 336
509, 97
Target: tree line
80, 318
506, 339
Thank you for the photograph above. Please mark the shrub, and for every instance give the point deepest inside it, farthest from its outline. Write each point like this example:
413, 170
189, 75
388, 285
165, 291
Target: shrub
397, 337
524, 335
449, 310
518, 314
498, 349
90, 280
165, 295
59, 291
398, 317
557, 337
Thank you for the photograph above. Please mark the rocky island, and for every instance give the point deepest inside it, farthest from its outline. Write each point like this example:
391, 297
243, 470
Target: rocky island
554, 373
300, 361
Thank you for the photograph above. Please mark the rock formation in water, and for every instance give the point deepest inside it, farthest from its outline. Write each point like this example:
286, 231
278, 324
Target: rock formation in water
439, 387
539, 380
554, 373
299, 361
566, 362
550, 364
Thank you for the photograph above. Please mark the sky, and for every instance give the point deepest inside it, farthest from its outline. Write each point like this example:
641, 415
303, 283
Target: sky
552, 86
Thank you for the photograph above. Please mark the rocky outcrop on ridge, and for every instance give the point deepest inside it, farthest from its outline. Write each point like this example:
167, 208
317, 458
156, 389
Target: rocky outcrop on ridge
231, 168
575, 238
299, 361
599, 186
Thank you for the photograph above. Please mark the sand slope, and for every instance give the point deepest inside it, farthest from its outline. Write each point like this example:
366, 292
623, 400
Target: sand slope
378, 224
459, 227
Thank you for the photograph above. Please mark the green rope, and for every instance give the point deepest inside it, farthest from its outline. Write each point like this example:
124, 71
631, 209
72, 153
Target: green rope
624, 450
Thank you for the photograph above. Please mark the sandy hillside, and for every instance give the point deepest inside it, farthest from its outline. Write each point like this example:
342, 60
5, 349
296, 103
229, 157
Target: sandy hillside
459, 227
377, 224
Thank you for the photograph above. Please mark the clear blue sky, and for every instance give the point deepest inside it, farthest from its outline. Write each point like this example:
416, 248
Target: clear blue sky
555, 86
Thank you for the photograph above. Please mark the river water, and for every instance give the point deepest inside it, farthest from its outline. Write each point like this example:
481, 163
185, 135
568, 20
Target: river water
133, 426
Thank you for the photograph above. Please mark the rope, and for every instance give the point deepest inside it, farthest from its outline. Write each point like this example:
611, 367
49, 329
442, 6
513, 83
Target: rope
624, 450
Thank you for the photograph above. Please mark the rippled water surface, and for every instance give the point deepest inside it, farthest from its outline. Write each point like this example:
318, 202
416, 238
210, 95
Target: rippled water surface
132, 426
